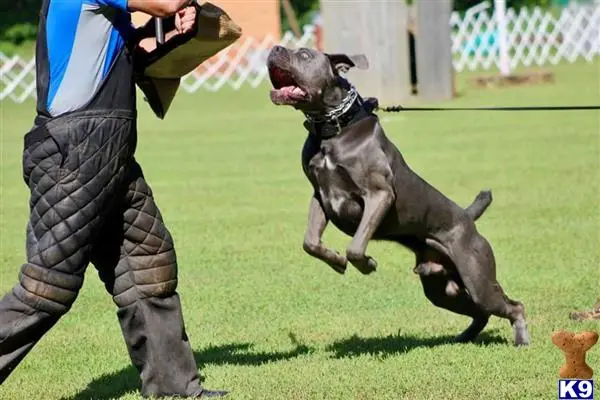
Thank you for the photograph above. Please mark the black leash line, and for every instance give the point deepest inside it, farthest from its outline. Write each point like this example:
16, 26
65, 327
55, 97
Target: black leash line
514, 108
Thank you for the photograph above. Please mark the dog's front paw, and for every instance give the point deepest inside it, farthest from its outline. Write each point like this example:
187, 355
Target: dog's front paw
362, 262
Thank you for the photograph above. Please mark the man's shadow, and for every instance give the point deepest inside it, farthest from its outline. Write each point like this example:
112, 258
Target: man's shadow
127, 380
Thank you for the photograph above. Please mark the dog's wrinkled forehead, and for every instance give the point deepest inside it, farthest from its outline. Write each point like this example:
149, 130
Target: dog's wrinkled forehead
311, 63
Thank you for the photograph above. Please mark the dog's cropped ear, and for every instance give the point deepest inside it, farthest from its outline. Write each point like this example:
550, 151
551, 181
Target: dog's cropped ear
342, 62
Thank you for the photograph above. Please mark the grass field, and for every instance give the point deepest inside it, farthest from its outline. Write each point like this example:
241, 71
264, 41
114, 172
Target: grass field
269, 322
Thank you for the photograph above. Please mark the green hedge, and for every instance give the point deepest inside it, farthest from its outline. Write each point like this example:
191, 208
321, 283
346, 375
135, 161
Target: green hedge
19, 20
18, 25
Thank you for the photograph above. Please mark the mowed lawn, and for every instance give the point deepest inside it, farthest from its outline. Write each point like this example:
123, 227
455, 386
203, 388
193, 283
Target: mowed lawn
268, 322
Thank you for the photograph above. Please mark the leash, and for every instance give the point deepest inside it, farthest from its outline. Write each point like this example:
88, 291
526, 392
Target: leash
510, 108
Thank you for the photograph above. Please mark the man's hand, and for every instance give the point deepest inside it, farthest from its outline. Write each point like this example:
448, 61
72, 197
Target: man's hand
158, 8
185, 20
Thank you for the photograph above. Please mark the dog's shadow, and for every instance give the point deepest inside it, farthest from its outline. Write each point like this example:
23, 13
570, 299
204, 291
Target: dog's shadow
126, 380
355, 346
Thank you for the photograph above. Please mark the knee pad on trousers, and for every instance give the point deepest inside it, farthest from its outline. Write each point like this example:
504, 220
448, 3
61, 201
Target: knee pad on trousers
47, 290
148, 276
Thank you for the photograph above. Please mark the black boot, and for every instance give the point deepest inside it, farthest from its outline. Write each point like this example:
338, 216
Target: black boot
154, 331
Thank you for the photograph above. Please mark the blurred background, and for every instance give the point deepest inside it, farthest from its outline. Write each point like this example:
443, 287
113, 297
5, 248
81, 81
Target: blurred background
479, 36
266, 320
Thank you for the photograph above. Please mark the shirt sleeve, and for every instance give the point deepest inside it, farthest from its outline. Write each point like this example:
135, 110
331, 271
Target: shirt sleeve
118, 4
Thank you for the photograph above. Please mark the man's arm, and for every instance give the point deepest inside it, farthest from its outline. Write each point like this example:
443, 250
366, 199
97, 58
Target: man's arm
157, 8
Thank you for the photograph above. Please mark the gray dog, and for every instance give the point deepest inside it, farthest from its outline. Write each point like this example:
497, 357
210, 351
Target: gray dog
365, 188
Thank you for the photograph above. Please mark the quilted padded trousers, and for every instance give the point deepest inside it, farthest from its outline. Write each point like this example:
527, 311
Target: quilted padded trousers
90, 203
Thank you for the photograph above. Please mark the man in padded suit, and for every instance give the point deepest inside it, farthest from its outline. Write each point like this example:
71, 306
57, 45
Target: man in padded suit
89, 201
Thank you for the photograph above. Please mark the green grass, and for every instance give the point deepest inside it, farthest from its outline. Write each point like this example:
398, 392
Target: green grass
269, 322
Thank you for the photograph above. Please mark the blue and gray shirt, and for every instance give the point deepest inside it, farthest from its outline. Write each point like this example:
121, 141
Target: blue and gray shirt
83, 39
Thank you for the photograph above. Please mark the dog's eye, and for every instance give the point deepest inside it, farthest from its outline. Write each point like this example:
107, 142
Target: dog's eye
305, 55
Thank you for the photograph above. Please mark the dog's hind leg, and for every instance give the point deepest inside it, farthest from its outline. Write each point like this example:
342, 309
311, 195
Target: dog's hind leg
475, 210
436, 290
476, 266
444, 288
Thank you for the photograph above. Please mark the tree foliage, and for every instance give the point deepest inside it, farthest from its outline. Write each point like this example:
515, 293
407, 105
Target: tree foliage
305, 11
19, 20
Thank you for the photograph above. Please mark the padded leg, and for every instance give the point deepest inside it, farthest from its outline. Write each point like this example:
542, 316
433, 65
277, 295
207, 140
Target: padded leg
139, 268
69, 194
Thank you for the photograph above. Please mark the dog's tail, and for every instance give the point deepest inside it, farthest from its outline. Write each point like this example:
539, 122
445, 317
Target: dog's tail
480, 204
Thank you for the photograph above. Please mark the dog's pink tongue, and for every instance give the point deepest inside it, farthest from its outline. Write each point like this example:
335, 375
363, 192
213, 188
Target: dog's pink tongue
298, 91
287, 90
279, 96
292, 91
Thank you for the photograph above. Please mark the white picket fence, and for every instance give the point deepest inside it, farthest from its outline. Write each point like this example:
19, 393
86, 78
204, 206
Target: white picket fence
535, 37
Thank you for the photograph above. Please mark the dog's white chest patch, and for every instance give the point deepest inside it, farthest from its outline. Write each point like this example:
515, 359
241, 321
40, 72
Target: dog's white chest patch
334, 200
327, 163
336, 203
332, 190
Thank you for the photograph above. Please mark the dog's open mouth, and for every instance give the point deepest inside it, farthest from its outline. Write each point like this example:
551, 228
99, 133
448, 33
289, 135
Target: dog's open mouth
285, 89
